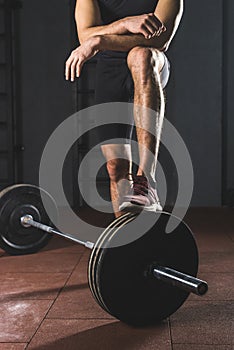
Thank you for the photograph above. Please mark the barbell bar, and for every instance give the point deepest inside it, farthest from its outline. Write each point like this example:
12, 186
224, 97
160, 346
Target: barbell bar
27, 221
141, 282
180, 280
162, 273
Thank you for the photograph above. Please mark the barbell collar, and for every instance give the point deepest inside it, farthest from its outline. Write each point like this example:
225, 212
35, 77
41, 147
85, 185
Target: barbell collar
27, 221
181, 280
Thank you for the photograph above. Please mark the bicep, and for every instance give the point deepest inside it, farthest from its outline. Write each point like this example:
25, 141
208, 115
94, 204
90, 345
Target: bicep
87, 14
169, 12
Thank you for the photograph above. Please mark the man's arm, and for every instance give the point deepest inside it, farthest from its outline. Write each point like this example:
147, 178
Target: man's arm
89, 23
169, 12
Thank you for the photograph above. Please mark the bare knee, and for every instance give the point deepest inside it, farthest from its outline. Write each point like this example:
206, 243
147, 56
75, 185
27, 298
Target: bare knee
117, 169
139, 56
144, 63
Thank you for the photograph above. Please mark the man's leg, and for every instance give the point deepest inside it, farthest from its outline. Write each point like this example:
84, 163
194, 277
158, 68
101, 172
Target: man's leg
145, 65
119, 163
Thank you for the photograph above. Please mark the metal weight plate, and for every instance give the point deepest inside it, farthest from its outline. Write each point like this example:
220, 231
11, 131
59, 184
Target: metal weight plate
15, 202
124, 283
94, 256
97, 253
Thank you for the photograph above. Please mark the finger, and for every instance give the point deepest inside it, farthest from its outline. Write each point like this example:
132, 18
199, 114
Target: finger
67, 68
161, 30
145, 31
161, 26
79, 66
158, 32
151, 28
151, 20
73, 69
78, 69
155, 34
156, 22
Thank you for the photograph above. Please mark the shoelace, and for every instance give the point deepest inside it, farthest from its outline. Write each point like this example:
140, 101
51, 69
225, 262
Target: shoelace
140, 185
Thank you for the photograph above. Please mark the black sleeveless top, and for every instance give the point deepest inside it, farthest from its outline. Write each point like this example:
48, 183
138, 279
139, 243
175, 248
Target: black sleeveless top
112, 10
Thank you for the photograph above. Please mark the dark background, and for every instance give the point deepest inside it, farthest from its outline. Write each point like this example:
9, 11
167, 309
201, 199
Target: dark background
37, 36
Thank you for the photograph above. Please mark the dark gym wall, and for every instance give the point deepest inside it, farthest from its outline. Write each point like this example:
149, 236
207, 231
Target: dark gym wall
228, 100
195, 98
46, 97
195, 94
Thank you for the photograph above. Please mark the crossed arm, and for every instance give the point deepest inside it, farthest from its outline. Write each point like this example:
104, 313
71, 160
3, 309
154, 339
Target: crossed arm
153, 30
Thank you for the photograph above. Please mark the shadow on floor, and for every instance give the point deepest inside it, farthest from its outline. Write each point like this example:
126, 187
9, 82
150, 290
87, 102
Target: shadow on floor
112, 336
39, 293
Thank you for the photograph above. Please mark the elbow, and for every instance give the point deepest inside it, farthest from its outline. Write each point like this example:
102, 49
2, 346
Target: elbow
81, 39
164, 43
97, 39
82, 36
164, 47
160, 43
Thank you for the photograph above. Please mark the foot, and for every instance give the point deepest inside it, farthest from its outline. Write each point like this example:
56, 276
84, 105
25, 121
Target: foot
141, 196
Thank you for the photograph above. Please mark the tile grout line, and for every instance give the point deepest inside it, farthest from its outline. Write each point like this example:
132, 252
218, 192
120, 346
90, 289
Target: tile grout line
25, 343
169, 322
229, 237
36, 272
213, 344
83, 318
53, 301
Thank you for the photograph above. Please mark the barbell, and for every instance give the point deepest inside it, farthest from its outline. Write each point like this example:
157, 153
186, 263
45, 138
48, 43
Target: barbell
139, 283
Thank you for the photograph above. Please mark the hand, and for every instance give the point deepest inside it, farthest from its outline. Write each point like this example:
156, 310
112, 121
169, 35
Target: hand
148, 25
79, 56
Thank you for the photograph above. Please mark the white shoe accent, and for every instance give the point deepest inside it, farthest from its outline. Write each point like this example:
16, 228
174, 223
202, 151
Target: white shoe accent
136, 208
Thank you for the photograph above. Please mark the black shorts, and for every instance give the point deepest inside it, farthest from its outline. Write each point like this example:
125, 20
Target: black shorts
114, 83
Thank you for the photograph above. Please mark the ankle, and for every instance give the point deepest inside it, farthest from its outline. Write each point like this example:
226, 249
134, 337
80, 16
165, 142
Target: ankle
149, 178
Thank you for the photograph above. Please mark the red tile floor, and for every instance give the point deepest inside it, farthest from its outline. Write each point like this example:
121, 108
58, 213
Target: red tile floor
46, 302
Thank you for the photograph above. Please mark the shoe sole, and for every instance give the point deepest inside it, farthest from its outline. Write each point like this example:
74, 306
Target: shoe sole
136, 208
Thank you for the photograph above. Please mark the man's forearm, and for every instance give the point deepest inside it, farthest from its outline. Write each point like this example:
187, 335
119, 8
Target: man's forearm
114, 28
127, 42
91, 46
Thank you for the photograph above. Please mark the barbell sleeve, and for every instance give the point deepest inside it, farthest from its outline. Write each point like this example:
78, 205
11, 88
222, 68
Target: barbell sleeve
167, 275
27, 221
181, 280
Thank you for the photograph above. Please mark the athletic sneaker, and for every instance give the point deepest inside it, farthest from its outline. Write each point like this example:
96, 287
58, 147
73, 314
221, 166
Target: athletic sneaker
141, 196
